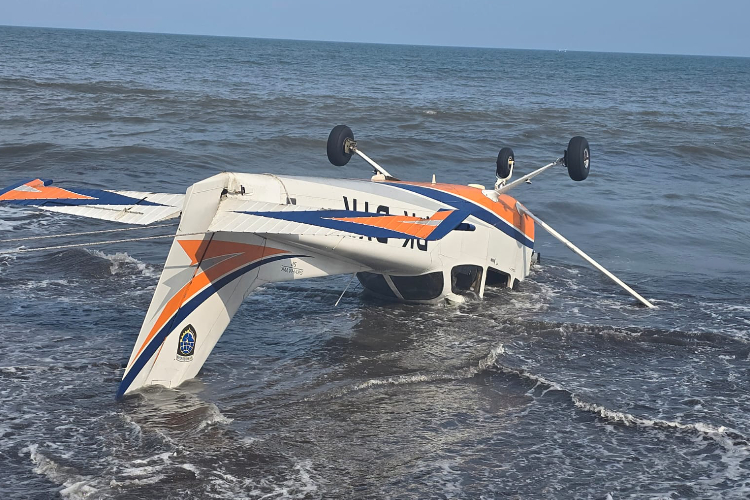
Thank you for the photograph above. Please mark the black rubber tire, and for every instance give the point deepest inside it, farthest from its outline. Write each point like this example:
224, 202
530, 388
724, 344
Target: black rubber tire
578, 158
505, 160
335, 147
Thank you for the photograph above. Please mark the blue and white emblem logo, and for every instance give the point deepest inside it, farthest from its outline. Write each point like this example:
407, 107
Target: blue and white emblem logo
186, 344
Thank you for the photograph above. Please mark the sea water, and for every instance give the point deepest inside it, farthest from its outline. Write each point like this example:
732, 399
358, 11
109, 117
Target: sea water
563, 388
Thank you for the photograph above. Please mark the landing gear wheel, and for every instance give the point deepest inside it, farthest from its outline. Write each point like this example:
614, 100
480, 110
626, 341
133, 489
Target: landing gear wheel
577, 158
505, 161
336, 149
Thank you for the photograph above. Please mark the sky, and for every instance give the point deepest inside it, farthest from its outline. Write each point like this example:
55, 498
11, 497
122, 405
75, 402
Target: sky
718, 27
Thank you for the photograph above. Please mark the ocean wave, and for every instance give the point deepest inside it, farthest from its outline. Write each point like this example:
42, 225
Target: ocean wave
70, 266
6, 225
732, 441
299, 481
92, 117
124, 264
27, 372
74, 485
729, 439
26, 149
418, 378
87, 87
7, 258
135, 133
287, 141
699, 152
44, 284
213, 416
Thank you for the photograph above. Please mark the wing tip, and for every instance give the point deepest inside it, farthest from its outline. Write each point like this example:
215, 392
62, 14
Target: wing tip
30, 183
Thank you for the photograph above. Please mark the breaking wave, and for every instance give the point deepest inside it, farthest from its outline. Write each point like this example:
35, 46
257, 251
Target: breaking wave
213, 416
74, 485
122, 263
729, 439
417, 378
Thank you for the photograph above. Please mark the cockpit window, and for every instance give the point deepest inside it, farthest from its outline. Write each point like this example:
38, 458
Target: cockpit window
466, 278
424, 287
495, 277
376, 284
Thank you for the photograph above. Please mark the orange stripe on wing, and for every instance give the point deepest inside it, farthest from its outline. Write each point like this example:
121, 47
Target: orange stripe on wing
413, 226
36, 190
238, 255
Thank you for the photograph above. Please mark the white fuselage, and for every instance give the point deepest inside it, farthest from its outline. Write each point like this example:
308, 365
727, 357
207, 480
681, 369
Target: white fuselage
240, 231
485, 249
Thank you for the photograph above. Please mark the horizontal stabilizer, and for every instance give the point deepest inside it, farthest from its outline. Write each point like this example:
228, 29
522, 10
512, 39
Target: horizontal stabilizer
129, 207
272, 218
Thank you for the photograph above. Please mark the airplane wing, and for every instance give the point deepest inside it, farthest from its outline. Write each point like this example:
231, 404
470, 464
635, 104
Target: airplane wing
129, 207
233, 215
270, 218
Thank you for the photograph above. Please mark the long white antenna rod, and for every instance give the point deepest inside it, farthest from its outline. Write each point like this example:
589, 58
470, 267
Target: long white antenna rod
90, 244
580, 252
118, 230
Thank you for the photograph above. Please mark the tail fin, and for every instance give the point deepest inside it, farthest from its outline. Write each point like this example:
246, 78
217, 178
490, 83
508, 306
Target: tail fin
203, 284
206, 277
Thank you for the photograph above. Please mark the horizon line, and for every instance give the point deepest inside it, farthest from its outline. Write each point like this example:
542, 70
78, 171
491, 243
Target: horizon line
374, 43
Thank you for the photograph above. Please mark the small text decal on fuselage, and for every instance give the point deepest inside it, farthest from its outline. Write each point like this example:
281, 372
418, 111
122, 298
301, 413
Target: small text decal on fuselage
292, 268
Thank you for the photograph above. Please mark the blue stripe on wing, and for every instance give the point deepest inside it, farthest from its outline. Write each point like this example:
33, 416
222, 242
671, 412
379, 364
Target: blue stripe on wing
325, 219
463, 205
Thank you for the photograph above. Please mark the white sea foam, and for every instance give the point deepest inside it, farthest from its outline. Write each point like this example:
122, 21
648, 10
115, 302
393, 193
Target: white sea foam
163, 458
214, 416
192, 468
448, 479
136, 432
304, 482
121, 263
301, 483
250, 440
16, 370
7, 214
712, 306
418, 378
74, 486
41, 284
137, 482
143, 471
7, 258
729, 439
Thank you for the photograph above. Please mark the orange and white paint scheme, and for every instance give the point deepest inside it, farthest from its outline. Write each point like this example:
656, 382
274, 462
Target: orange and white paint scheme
414, 242
409, 241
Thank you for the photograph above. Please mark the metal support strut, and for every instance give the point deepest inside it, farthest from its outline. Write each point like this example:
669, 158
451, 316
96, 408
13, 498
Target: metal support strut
507, 187
350, 146
580, 252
